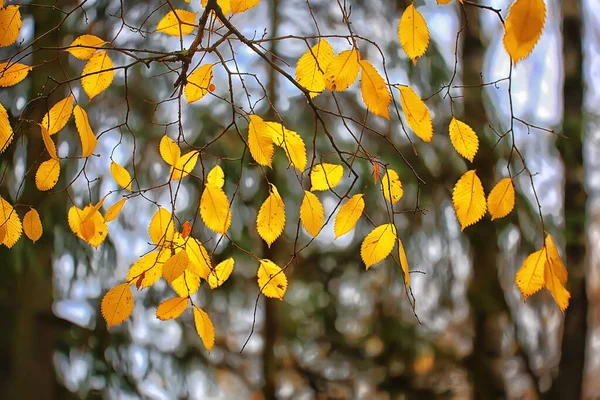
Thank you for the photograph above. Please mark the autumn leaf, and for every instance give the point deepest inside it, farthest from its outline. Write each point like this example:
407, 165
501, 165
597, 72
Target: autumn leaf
224, 4
523, 28
325, 176
260, 141
162, 227
501, 200
559, 268
13, 73
291, 143
378, 244
216, 177
88, 139
47, 174
404, 264
177, 23
271, 217
552, 282
391, 186
97, 74
58, 116
530, 278
169, 150
185, 165
348, 215
120, 175
221, 273
10, 25
149, 267
200, 262
171, 308
10, 220
342, 71
6, 132
32, 225
311, 67
272, 282
88, 224
186, 229
469, 199
413, 33
198, 83
84, 46
374, 90
114, 210
416, 113
175, 265
238, 6
187, 284
117, 305
214, 209
204, 327
464, 139
48, 143
312, 214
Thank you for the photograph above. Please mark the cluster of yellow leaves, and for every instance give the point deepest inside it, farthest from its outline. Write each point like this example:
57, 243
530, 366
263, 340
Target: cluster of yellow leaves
181, 166
98, 73
544, 268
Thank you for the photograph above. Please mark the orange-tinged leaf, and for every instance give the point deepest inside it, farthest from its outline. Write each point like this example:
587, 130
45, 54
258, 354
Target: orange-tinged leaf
117, 305
48, 143
216, 177
501, 200
238, 6
177, 23
374, 90
97, 74
342, 71
312, 214
553, 284
198, 83
58, 116
186, 228
47, 175
224, 4
120, 175
171, 308
325, 176
558, 267
348, 215
404, 264
260, 141
200, 263
375, 172
214, 209
10, 25
416, 113
523, 28
185, 165
272, 282
204, 327
291, 142
13, 73
175, 266
10, 220
413, 33
530, 278
378, 244
469, 199
311, 67
84, 46
162, 227
169, 150
221, 273
3, 231
187, 284
464, 139
114, 210
88, 225
6, 132
148, 268
271, 217
32, 225
88, 139
391, 186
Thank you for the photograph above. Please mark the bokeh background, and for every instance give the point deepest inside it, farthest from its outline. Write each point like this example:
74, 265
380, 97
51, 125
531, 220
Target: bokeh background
341, 332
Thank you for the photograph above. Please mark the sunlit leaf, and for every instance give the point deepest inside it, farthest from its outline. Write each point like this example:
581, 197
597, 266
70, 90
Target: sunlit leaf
342, 71
97, 74
169, 150
348, 215
238, 6
117, 305
416, 113
260, 141
501, 200
32, 225
175, 265
554, 285
10, 25
469, 199
84, 46
177, 23
148, 268
391, 186
271, 217
204, 327
325, 176
120, 175
216, 177
47, 174
378, 244
6, 132
559, 268
291, 142
13, 73
221, 273
523, 28
200, 263
374, 90
272, 282
187, 284
530, 278
404, 264
214, 209
312, 214
162, 227
464, 139
58, 116
198, 83
311, 67
171, 308
88, 224
185, 165
114, 210
88, 139
48, 143
10, 220
413, 33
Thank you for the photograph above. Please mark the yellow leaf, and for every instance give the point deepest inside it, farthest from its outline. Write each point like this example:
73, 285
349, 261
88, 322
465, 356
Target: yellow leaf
169, 150
32, 225
378, 244
177, 23
272, 282
58, 116
175, 266
97, 74
342, 71
47, 174
187, 284
530, 278
114, 210
523, 28
6, 132
162, 227
171, 308
221, 273
200, 263
85, 46
464, 139
10, 25
13, 73
214, 209
117, 305
291, 142
148, 269
558, 267
348, 215
2, 233
260, 141
374, 90
469, 199
224, 4
312, 214
120, 175
204, 327
417, 114
238, 6
404, 264
271, 217
10, 220
198, 83
413, 33
444, 1
325, 176
557, 290
391, 186
48, 143
90, 228
88, 139
311, 67
185, 165
501, 200
216, 177
92, 210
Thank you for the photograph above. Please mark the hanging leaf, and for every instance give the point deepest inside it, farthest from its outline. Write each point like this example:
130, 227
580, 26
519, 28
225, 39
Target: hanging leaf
469, 199
117, 305
501, 200
204, 327
271, 217
120, 175
391, 186
85, 46
290, 142
238, 6
325, 176
187, 284
48, 143
175, 265
221, 273
464, 139
10, 25
378, 244
47, 175
342, 71
416, 113
530, 278
185, 165
311, 67
162, 227
272, 282
224, 4
559, 268
97, 74
413, 33
169, 150
523, 28
9, 219
186, 228
553, 283
348, 215
198, 83
312, 214
148, 268
214, 209
114, 210
58, 116
88, 224
88, 139
216, 177
374, 90
171, 308
32, 225
200, 263
6, 132
177, 23
13, 73
404, 264
260, 141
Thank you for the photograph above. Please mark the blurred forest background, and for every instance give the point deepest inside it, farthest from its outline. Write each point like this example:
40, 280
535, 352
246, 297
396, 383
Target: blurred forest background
341, 332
